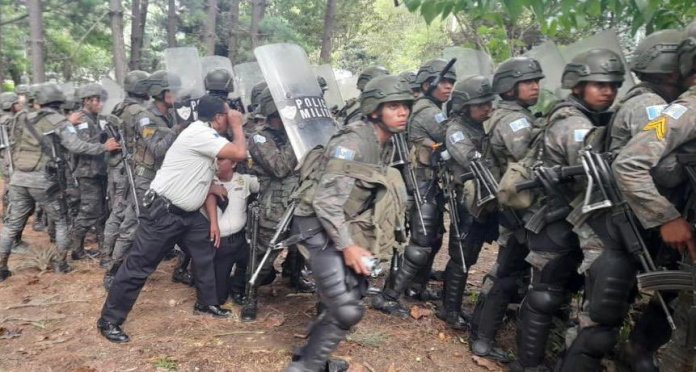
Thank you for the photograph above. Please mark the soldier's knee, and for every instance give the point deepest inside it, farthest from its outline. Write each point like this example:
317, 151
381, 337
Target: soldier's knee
349, 314
544, 300
417, 255
610, 286
598, 341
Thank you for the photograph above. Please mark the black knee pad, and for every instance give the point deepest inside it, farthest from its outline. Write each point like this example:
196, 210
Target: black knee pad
432, 218
417, 255
597, 341
348, 314
610, 283
544, 299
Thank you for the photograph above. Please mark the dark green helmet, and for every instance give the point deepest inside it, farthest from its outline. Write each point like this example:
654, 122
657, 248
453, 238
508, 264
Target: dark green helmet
267, 106
91, 90
657, 53
49, 93
22, 89
370, 73
597, 65
473, 90
220, 80
136, 82
256, 92
433, 68
7, 99
33, 91
514, 70
383, 89
686, 53
410, 77
161, 81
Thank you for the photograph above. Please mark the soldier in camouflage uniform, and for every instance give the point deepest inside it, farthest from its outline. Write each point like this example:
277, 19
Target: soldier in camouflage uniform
662, 206
594, 78
471, 105
31, 182
351, 111
351, 183
90, 172
22, 91
426, 132
9, 103
254, 119
410, 76
153, 131
136, 90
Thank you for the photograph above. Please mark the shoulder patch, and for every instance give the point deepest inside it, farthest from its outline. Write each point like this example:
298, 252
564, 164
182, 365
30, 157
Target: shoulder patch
344, 153
144, 121
659, 126
456, 137
520, 124
440, 117
654, 111
82, 126
675, 111
148, 132
259, 139
70, 128
579, 134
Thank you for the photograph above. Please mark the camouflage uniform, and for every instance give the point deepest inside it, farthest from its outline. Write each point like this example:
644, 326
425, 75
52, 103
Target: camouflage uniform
6, 119
30, 183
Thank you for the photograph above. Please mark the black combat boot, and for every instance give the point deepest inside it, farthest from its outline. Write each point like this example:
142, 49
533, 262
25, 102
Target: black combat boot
112, 332
451, 310
249, 310
324, 337
487, 349
4, 271
390, 306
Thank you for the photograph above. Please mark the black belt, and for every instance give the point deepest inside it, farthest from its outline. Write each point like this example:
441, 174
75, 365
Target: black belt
239, 234
171, 208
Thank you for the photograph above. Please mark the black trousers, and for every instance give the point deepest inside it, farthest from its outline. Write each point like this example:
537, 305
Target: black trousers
233, 252
158, 231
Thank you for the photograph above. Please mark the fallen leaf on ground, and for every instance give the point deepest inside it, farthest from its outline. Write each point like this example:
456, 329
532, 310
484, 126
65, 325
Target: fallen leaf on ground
6, 334
485, 363
418, 312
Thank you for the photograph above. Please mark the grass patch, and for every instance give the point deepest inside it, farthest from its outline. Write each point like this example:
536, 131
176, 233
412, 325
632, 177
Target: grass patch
368, 339
166, 363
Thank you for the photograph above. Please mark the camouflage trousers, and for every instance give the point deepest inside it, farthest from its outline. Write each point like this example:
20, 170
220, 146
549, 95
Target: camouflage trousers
129, 221
91, 212
21, 203
117, 191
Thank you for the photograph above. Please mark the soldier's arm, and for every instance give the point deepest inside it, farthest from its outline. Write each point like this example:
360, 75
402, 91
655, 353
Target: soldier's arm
275, 160
572, 135
632, 117
515, 131
70, 140
642, 153
434, 122
460, 147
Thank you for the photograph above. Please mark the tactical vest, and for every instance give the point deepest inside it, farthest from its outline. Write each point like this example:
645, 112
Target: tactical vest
127, 111
30, 153
89, 165
421, 153
480, 140
144, 158
505, 108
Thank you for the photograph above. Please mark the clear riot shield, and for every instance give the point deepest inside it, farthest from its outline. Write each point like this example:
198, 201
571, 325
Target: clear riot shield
185, 65
114, 95
552, 64
297, 95
333, 93
246, 76
470, 62
347, 84
607, 39
210, 63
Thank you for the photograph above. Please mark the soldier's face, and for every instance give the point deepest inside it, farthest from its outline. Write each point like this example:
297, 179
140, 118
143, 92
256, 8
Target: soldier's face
443, 90
528, 91
17, 107
598, 96
94, 105
481, 112
394, 115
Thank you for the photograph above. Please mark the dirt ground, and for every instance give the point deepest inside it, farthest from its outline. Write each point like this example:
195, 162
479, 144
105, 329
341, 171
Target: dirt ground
47, 323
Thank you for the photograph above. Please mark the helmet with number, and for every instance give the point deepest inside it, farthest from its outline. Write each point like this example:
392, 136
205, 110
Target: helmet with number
657, 53
220, 80
161, 81
370, 73
383, 89
7, 99
514, 70
91, 90
136, 82
410, 76
431, 70
22, 89
49, 93
686, 53
597, 65
473, 90
267, 106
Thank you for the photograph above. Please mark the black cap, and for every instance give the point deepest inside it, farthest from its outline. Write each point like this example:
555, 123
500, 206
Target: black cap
209, 106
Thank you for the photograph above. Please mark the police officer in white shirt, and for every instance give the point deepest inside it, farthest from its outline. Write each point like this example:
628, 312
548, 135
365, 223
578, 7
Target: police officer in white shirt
227, 231
171, 215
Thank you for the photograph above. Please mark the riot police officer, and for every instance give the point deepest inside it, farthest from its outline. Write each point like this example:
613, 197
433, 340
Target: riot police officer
350, 176
351, 111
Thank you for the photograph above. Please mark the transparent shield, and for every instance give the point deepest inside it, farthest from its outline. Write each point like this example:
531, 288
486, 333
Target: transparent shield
347, 84
333, 93
246, 76
297, 95
185, 65
114, 94
470, 62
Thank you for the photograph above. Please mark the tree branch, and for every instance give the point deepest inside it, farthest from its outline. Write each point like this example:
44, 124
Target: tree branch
14, 20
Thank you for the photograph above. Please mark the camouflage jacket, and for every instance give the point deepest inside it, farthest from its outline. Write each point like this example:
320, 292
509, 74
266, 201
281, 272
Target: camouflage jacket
640, 105
464, 139
510, 132
154, 136
426, 127
89, 130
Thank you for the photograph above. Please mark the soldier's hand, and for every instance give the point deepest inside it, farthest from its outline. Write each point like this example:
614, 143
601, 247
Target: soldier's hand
353, 255
112, 145
76, 117
215, 234
678, 234
235, 118
219, 191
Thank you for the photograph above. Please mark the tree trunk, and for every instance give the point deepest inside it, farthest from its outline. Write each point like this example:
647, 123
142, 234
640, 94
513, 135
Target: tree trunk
233, 40
325, 55
209, 27
258, 9
172, 24
139, 11
119, 45
2, 61
37, 41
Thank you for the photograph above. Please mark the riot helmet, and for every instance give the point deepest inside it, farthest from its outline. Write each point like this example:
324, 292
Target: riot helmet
219, 79
473, 90
388, 88
136, 83
48, 93
267, 106
596, 65
7, 99
657, 53
370, 73
686, 53
160, 82
432, 69
515, 70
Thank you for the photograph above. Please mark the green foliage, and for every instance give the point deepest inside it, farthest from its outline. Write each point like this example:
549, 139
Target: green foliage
166, 363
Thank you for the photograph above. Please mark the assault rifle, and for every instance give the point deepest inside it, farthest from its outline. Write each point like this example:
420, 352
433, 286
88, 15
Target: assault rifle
249, 308
451, 197
7, 147
114, 133
486, 185
401, 158
57, 170
433, 85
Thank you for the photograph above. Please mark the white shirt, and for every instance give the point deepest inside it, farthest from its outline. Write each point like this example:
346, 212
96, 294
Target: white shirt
189, 166
234, 218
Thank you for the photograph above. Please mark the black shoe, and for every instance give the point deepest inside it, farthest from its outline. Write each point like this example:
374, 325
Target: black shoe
61, 267
337, 365
638, 358
249, 311
237, 297
112, 332
424, 295
4, 274
105, 262
213, 310
487, 349
388, 306
302, 285
455, 319
437, 276
83, 253
183, 277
